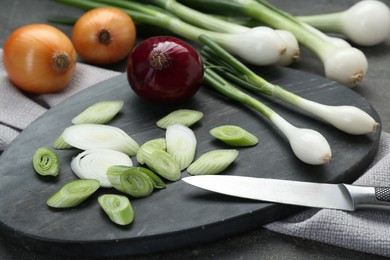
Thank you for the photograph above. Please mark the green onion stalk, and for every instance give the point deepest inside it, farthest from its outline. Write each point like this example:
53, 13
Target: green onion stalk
241, 44
342, 63
349, 119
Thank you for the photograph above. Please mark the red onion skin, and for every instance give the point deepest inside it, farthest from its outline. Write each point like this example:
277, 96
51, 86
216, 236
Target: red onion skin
165, 69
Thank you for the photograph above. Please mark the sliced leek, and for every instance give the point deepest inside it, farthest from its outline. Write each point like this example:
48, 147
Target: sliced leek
93, 136
93, 164
158, 143
73, 193
234, 135
99, 113
46, 162
213, 162
181, 144
118, 208
186, 117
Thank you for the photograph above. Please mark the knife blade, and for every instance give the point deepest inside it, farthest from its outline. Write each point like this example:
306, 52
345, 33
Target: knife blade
309, 194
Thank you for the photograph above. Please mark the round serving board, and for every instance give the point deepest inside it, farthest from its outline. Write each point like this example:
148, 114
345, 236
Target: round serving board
181, 214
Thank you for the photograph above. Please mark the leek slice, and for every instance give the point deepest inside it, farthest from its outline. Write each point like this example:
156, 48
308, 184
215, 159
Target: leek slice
92, 136
181, 144
186, 117
99, 113
114, 172
130, 180
73, 193
158, 143
60, 143
234, 135
46, 162
118, 208
93, 164
213, 162
162, 163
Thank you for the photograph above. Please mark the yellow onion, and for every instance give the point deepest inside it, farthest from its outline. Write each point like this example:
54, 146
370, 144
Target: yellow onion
39, 58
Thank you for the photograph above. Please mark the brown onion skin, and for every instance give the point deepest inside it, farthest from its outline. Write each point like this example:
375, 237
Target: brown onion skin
175, 77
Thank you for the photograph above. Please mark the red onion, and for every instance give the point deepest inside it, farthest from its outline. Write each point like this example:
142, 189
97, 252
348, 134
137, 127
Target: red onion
164, 69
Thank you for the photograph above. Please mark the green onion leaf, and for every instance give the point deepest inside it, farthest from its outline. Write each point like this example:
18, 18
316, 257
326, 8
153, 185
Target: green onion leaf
99, 113
163, 164
118, 208
213, 162
234, 135
186, 117
46, 162
73, 193
158, 143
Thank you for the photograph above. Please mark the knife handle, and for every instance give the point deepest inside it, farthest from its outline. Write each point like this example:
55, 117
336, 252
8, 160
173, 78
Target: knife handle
369, 197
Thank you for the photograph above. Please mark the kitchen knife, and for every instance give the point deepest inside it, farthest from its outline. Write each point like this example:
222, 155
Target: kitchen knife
319, 195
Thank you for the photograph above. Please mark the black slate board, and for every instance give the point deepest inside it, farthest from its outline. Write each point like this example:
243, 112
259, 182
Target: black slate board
180, 215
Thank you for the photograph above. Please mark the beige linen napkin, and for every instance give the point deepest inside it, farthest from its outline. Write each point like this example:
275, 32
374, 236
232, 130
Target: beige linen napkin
367, 231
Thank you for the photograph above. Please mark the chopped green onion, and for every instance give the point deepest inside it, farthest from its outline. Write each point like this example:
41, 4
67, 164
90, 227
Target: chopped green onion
73, 193
234, 135
60, 143
116, 170
162, 163
181, 144
158, 143
93, 164
186, 117
130, 180
46, 162
93, 136
99, 113
213, 162
118, 208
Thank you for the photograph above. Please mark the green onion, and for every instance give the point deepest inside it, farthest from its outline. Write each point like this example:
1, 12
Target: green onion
73, 193
158, 143
46, 162
162, 163
349, 119
234, 135
213, 162
181, 144
93, 136
186, 117
130, 180
99, 113
60, 143
118, 208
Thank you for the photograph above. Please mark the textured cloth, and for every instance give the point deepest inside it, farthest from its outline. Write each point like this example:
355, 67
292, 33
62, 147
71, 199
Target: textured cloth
364, 230
367, 231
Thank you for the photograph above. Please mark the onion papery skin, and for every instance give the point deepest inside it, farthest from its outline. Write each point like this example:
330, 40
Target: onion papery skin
28, 58
119, 29
165, 69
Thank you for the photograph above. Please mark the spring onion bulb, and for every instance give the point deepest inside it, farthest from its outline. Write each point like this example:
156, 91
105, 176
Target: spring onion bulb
99, 113
181, 144
254, 46
162, 163
366, 23
213, 162
93, 164
93, 136
346, 118
288, 44
46, 162
73, 193
234, 135
130, 180
158, 143
186, 117
308, 145
118, 208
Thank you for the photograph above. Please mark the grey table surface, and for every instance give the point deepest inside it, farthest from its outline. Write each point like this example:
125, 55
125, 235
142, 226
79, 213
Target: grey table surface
255, 244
